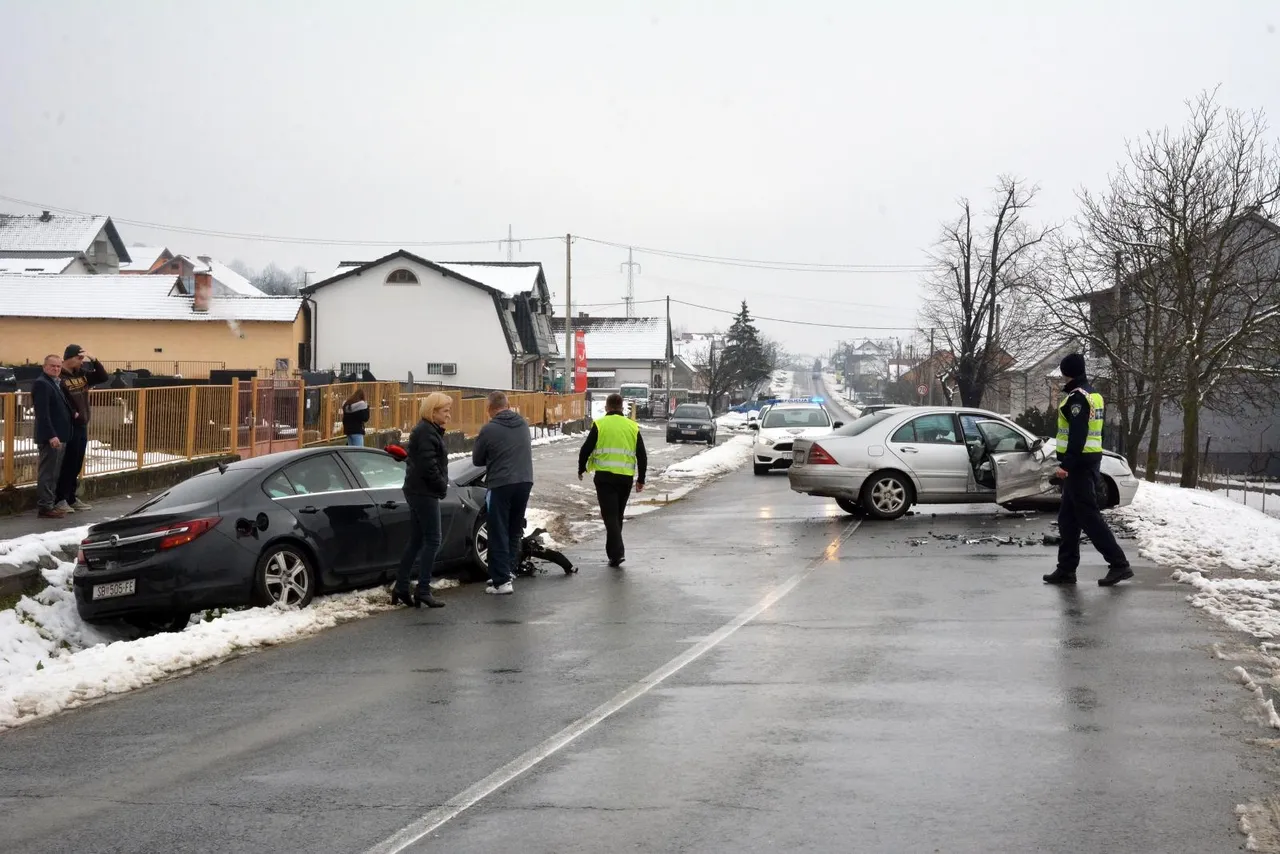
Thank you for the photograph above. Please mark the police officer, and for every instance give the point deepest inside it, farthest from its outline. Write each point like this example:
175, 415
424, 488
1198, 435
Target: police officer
1080, 417
615, 452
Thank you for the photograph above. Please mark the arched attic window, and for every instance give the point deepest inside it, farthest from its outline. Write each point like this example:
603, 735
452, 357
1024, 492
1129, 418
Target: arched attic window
402, 277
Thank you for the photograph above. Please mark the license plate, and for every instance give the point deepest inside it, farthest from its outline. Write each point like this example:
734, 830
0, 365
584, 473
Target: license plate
798, 457
689, 432
115, 588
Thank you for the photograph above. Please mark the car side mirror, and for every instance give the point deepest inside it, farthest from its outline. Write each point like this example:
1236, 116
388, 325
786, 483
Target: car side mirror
754, 425
837, 425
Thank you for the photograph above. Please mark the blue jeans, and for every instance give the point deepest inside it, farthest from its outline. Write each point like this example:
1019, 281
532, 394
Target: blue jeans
506, 506
424, 542
356, 439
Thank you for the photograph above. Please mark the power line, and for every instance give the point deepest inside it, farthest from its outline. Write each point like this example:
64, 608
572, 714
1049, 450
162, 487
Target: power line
792, 266
797, 322
272, 238
732, 289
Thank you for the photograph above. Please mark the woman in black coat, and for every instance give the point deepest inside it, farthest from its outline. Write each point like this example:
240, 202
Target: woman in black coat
355, 414
426, 482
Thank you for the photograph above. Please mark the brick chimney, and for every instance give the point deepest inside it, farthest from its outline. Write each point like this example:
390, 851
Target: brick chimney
46, 216
203, 292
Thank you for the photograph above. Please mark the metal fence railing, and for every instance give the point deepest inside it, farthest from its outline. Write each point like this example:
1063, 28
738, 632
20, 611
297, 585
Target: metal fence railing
188, 370
136, 428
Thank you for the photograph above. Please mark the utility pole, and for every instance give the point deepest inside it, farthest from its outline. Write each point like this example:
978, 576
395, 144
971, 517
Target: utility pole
632, 267
671, 355
511, 244
568, 310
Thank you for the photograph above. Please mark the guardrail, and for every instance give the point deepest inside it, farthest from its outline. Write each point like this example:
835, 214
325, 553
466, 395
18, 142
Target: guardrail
137, 428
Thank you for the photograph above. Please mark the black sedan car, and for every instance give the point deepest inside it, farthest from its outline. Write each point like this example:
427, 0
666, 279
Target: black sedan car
276, 529
692, 422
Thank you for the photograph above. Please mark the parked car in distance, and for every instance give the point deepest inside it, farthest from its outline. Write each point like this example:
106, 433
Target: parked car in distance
692, 422
883, 463
276, 529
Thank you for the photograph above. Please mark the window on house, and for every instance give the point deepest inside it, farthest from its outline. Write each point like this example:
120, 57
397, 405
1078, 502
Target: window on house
352, 368
438, 369
402, 277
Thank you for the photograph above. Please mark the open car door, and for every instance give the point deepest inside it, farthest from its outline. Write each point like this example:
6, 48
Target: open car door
1020, 471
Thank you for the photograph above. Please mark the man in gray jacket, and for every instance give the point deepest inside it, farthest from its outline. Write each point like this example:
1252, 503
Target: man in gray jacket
505, 448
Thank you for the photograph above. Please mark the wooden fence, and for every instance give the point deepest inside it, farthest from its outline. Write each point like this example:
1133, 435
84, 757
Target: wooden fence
136, 428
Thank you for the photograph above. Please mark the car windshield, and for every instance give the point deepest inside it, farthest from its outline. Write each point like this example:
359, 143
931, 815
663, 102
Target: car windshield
692, 412
865, 423
201, 489
814, 417
464, 471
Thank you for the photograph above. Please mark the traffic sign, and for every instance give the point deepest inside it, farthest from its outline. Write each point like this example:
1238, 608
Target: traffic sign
922, 390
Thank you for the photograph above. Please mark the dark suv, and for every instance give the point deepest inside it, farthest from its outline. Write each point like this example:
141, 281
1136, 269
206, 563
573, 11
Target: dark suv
692, 422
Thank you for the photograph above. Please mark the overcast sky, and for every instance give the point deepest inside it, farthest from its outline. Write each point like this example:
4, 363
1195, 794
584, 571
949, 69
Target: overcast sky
829, 132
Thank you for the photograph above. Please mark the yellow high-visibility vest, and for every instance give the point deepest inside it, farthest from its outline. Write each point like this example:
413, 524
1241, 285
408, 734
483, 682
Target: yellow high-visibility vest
1093, 442
615, 450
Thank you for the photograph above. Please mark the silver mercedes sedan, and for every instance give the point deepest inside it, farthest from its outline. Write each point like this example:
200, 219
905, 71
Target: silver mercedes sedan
883, 463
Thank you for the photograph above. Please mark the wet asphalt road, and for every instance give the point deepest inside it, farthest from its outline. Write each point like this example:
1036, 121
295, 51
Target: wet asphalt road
897, 698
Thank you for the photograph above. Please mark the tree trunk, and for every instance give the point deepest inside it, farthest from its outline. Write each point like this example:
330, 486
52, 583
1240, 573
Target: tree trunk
1153, 449
1191, 435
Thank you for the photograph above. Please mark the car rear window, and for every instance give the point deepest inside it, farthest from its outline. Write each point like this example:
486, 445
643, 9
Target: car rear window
201, 489
866, 422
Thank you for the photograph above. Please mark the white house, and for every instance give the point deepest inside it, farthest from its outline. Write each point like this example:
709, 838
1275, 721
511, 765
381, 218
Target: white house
454, 323
623, 349
69, 244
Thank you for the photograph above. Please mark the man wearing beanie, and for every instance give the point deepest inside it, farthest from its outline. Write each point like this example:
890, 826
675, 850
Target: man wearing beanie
80, 372
1080, 417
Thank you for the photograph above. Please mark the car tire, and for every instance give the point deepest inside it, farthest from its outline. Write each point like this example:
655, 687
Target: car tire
887, 495
760, 470
160, 624
286, 577
853, 508
478, 549
1108, 493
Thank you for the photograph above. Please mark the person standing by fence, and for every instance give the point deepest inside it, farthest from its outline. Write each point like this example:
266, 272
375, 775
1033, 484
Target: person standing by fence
54, 427
80, 372
614, 450
505, 449
355, 414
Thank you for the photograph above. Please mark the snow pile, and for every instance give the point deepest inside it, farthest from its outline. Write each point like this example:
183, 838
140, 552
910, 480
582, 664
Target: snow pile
1197, 531
723, 458
736, 420
50, 660
36, 547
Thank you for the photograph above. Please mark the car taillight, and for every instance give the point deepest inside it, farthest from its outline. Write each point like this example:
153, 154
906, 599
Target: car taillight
818, 457
181, 533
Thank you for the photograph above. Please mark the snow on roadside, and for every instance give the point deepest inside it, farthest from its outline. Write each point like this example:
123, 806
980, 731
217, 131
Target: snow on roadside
1196, 531
33, 547
51, 661
721, 459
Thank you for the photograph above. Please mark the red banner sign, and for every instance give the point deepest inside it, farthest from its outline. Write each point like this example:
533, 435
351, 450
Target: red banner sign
579, 361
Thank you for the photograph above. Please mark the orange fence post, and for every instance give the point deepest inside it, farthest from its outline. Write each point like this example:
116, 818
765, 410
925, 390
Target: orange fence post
140, 426
302, 410
192, 401
10, 436
253, 420
233, 445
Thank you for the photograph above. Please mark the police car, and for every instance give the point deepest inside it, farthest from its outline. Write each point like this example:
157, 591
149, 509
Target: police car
781, 425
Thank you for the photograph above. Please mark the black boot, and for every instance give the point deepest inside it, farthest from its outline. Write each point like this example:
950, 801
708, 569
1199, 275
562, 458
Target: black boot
1060, 576
398, 597
1116, 575
429, 600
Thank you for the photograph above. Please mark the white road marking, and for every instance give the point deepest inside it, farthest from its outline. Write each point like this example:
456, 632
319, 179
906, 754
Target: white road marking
464, 800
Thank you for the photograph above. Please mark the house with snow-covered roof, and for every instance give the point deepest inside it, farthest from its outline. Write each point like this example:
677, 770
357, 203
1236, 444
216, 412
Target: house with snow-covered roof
475, 324
146, 259
226, 281
63, 244
148, 321
623, 350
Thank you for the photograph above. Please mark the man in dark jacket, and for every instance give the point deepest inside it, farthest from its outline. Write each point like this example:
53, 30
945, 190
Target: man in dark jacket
54, 428
1080, 420
614, 450
80, 372
505, 448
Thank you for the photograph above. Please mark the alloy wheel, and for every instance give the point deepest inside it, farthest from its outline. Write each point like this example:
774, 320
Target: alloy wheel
888, 495
287, 579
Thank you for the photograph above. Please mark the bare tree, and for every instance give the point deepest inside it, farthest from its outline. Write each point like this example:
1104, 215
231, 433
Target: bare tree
981, 298
712, 372
1194, 312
